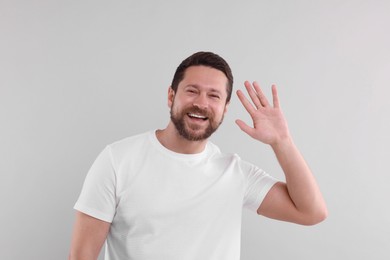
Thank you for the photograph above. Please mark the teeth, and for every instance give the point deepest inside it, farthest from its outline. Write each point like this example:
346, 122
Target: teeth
197, 116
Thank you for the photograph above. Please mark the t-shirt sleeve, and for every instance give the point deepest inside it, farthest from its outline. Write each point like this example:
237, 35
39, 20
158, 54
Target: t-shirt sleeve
258, 183
97, 197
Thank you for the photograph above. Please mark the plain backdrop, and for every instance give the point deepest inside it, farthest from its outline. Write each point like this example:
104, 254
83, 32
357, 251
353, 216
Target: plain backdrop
78, 75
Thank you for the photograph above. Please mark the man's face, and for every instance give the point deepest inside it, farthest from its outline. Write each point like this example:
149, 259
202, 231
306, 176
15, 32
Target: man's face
199, 104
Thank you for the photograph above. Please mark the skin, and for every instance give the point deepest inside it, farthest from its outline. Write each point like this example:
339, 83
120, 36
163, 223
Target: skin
298, 200
88, 237
204, 88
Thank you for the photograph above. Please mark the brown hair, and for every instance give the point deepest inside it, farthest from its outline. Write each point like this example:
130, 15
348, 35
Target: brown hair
208, 59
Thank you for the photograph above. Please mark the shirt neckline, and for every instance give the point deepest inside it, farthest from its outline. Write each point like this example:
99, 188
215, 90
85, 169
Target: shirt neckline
179, 156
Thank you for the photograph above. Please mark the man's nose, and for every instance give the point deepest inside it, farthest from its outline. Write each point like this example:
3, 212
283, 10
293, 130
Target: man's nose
201, 101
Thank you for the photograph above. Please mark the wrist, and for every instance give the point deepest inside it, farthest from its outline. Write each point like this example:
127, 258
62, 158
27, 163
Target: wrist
282, 143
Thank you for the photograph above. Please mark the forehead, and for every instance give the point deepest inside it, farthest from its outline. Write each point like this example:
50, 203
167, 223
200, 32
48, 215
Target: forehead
205, 77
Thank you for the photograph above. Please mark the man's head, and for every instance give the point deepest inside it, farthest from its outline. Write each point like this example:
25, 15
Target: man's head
207, 59
199, 95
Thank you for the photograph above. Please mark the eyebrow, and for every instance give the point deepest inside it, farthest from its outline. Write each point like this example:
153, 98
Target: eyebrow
198, 87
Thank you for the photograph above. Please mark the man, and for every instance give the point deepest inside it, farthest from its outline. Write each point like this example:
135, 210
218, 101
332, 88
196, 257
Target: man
172, 194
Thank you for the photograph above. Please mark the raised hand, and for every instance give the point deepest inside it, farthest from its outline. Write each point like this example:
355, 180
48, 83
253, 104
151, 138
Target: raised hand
269, 124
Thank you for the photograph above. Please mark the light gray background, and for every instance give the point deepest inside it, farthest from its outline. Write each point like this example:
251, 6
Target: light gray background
77, 75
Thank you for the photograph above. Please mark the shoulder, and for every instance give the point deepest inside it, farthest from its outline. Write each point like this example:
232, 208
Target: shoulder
216, 151
244, 167
129, 146
231, 159
130, 142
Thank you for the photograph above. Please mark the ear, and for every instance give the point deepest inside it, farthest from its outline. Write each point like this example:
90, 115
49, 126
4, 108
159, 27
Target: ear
171, 96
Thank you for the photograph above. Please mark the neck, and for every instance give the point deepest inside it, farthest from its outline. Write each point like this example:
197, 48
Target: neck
172, 140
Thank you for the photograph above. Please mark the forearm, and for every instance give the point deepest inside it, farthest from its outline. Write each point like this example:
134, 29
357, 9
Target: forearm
88, 237
301, 184
81, 256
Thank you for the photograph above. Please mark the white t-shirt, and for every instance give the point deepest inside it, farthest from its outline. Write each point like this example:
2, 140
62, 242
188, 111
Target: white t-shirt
164, 205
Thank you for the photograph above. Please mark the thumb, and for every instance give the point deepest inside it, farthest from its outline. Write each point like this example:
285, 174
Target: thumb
244, 127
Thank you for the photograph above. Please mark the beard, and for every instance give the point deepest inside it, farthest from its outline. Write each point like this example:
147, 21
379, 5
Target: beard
194, 132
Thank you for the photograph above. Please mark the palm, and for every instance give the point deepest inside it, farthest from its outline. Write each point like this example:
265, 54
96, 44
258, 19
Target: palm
269, 124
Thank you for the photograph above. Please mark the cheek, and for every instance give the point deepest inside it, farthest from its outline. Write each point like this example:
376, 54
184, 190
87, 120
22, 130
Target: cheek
178, 102
219, 111
176, 107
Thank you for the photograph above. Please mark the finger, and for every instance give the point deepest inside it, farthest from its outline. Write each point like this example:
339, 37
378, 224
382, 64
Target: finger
275, 97
245, 102
253, 95
244, 127
263, 99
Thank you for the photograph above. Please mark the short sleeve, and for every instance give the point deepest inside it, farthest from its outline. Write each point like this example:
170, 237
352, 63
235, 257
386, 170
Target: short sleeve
258, 183
98, 195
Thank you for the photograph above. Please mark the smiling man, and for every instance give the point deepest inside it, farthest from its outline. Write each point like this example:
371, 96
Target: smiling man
198, 104
204, 103
172, 194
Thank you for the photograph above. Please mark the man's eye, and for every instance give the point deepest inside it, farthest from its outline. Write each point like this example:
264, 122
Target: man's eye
214, 96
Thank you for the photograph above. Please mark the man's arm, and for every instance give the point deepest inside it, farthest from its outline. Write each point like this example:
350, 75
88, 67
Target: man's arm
88, 237
299, 200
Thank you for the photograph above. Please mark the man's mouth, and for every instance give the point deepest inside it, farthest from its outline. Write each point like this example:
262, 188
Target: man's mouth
197, 116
